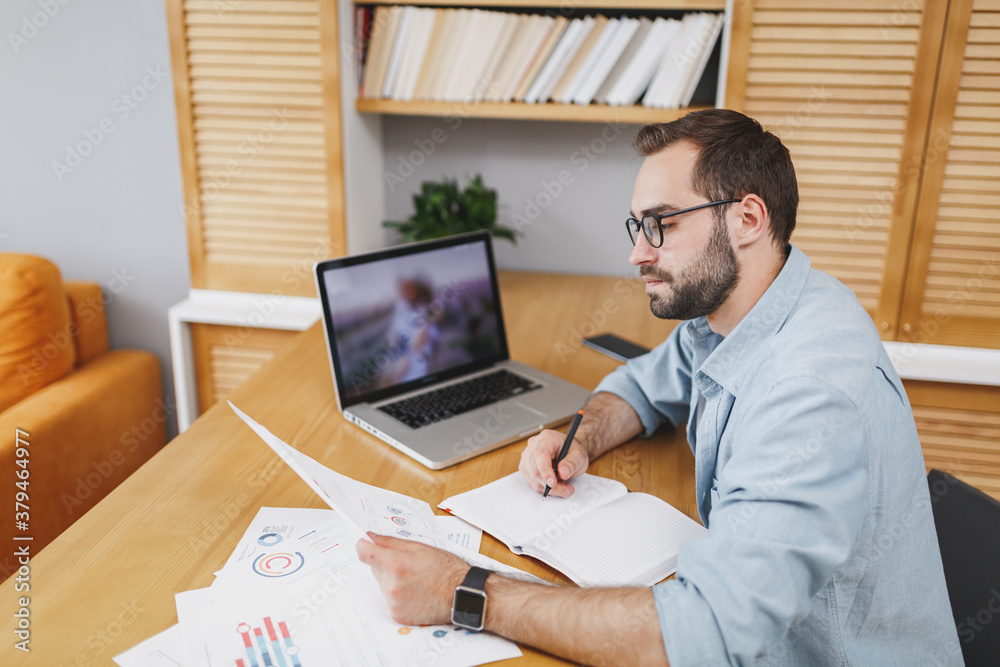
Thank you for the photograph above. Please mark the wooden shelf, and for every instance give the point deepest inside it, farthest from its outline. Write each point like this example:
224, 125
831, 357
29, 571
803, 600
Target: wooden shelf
688, 5
593, 113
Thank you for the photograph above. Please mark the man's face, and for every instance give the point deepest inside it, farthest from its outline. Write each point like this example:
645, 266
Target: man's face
695, 269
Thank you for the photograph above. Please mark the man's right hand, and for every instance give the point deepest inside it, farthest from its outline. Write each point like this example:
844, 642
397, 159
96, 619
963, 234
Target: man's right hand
538, 457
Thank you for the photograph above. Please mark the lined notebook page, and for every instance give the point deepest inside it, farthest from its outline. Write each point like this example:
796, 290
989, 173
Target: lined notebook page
510, 511
632, 541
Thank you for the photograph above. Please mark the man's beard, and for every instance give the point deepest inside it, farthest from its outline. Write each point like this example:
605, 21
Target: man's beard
713, 278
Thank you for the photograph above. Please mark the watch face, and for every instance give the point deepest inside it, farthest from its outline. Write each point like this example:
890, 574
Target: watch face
468, 608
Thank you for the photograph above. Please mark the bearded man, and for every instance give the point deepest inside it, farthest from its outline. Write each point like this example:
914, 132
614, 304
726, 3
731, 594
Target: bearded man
821, 547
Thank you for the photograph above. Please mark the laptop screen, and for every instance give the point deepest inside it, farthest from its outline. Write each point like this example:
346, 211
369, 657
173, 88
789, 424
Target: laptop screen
403, 318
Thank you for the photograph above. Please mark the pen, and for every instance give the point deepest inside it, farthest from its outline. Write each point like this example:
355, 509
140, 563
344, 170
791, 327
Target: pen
565, 448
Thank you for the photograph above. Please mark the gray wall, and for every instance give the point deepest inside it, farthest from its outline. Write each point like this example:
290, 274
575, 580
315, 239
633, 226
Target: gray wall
576, 225
111, 216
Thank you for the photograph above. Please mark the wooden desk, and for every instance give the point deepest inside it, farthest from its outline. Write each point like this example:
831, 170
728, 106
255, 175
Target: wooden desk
109, 581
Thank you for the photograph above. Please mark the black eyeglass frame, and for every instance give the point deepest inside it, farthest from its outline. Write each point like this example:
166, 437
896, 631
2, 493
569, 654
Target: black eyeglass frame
633, 225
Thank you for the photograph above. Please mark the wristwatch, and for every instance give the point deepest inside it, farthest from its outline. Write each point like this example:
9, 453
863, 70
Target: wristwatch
469, 608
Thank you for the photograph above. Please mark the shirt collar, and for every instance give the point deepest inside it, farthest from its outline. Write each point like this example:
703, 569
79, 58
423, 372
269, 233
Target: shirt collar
737, 351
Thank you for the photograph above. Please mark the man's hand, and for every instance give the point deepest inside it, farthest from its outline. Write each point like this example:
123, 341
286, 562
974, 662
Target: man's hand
538, 457
418, 581
610, 421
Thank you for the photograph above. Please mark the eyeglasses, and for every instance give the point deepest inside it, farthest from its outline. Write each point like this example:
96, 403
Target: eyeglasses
652, 227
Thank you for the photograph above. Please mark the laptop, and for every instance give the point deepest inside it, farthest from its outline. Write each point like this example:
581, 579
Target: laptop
419, 353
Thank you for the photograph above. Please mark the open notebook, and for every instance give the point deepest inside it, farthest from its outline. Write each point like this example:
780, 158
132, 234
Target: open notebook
602, 535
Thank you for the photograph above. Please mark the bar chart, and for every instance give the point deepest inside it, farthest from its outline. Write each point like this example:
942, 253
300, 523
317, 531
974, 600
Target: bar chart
275, 650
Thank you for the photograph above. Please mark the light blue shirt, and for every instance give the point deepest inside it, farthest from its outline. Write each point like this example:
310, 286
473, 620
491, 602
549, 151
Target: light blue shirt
821, 547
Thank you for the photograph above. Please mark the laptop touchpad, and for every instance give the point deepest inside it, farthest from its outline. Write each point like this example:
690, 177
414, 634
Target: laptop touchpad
504, 416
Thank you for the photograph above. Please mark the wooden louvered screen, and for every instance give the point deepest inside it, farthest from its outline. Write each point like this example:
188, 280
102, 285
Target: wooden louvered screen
959, 429
258, 112
848, 87
225, 356
953, 285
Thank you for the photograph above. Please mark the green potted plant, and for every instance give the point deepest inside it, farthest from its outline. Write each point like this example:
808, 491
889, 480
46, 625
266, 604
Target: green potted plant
441, 209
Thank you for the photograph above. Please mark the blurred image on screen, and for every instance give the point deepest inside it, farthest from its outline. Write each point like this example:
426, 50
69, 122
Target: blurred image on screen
402, 318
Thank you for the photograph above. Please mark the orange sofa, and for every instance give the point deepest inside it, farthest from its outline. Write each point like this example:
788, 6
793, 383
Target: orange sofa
78, 417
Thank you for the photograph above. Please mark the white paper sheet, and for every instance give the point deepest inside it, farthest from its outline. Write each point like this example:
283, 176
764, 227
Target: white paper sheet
358, 503
161, 650
365, 507
346, 624
285, 544
461, 532
527, 517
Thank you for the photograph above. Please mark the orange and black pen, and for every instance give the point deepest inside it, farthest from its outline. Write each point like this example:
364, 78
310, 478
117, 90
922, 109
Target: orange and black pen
565, 448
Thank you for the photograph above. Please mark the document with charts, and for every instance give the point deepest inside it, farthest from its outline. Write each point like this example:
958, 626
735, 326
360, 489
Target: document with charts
285, 544
369, 508
293, 593
602, 535
340, 619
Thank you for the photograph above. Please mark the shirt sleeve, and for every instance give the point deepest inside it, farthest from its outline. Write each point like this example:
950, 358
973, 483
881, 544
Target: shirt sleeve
789, 507
658, 384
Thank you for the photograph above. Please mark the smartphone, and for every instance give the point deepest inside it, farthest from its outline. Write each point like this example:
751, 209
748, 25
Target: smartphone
615, 347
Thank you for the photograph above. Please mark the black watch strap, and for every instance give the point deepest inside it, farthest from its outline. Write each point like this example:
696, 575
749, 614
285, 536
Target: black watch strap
476, 578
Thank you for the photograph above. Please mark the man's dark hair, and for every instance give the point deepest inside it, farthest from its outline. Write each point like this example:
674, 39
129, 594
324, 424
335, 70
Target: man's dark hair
736, 157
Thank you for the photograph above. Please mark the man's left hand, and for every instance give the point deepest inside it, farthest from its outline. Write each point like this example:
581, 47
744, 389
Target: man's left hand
418, 581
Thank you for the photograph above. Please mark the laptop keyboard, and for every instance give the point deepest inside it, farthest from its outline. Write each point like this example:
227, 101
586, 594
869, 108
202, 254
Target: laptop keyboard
457, 398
